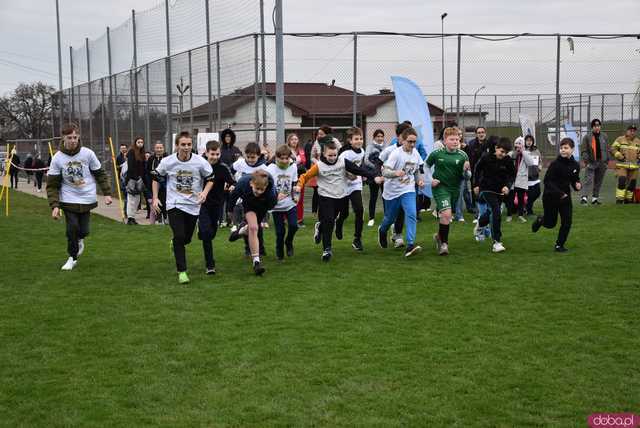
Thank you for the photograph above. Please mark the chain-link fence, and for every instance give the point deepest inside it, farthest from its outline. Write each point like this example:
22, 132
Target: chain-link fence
135, 83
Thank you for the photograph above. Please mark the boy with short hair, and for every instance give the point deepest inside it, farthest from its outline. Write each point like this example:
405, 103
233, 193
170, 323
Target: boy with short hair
563, 173
258, 195
353, 190
450, 166
211, 210
284, 173
71, 186
330, 170
494, 175
402, 173
185, 174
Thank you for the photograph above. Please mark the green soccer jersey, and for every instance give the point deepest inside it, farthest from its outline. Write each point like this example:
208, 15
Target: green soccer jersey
448, 167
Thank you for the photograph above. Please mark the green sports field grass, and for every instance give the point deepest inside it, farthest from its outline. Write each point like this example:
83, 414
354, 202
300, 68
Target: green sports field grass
524, 338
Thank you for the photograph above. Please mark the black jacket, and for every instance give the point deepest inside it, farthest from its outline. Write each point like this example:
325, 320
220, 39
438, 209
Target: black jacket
135, 168
562, 175
265, 202
229, 153
221, 176
493, 174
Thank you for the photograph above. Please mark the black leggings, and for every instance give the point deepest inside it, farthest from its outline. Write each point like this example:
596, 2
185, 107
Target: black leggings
356, 203
328, 208
77, 228
182, 225
39, 176
315, 200
14, 178
374, 191
208, 221
554, 206
532, 196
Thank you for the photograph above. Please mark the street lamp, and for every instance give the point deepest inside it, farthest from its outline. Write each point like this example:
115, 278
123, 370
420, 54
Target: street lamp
444, 108
475, 94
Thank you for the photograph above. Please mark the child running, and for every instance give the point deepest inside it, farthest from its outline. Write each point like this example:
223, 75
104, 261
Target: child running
284, 173
494, 175
71, 186
258, 196
402, 172
450, 166
211, 210
353, 191
185, 174
563, 173
371, 156
331, 172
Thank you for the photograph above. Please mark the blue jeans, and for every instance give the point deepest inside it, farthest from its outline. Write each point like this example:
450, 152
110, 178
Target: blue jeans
279, 218
465, 197
482, 208
407, 202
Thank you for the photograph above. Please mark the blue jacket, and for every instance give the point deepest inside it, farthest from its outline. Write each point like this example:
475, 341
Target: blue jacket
243, 190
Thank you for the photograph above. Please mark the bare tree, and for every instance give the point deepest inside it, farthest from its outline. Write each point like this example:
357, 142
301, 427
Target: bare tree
26, 112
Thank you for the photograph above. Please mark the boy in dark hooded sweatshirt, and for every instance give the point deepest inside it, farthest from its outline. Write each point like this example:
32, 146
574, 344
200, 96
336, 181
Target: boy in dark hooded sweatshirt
229, 153
71, 185
563, 173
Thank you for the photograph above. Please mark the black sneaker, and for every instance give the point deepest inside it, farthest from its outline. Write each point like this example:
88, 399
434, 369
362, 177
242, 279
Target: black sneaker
595, 201
235, 233
289, 246
536, 225
412, 249
258, 269
131, 221
211, 271
339, 232
382, 238
326, 254
584, 201
561, 249
280, 254
357, 245
316, 233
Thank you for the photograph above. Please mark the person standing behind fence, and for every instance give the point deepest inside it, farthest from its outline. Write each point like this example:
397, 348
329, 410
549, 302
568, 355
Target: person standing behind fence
152, 164
594, 152
39, 165
135, 178
13, 171
228, 155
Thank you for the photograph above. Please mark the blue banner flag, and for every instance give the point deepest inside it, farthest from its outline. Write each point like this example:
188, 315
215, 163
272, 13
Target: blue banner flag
570, 132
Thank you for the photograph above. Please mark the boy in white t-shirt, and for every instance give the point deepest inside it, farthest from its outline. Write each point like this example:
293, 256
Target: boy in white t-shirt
185, 173
71, 186
402, 172
285, 177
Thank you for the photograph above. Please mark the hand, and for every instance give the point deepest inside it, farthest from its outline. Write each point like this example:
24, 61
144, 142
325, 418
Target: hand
435, 182
379, 180
108, 200
420, 183
476, 190
400, 173
578, 186
564, 195
55, 213
297, 189
202, 197
281, 196
467, 166
505, 190
156, 204
231, 188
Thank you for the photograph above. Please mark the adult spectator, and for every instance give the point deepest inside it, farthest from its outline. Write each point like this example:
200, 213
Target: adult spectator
13, 171
625, 150
228, 155
594, 153
134, 181
152, 164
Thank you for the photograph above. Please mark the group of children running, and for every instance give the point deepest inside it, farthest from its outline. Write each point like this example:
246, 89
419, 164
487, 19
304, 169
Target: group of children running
198, 188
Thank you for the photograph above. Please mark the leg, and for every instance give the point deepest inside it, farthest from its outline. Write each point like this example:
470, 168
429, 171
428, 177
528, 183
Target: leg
408, 202
533, 195
300, 206
132, 205
358, 212
73, 233
599, 177
632, 176
522, 209
278, 225
510, 202
399, 222
253, 226
551, 208
315, 201
391, 212
342, 214
621, 189
374, 188
588, 180
177, 221
565, 210
207, 228
292, 227
326, 214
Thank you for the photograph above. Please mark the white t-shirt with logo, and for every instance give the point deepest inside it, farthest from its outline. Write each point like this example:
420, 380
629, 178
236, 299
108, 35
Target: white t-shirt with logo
284, 180
242, 168
407, 162
185, 179
78, 185
353, 182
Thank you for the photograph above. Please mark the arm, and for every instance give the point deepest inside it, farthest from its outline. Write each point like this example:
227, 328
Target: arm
575, 180
585, 148
478, 173
313, 171
359, 170
615, 150
549, 182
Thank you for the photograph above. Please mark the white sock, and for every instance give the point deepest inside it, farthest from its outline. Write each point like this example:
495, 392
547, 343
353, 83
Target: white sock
256, 259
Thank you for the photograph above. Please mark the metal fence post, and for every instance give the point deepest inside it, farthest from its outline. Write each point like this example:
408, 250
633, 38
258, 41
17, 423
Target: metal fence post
589, 109
495, 110
134, 106
147, 113
103, 128
279, 75
602, 109
190, 94
168, 79
622, 111
354, 116
209, 89
113, 127
558, 92
458, 82
580, 114
131, 100
73, 98
264, 75
218, 89
539, 123
86, 44
256, 83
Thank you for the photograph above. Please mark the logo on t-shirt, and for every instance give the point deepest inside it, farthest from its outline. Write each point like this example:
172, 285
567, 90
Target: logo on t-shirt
283, 184
73, 172
409, 171
184, 182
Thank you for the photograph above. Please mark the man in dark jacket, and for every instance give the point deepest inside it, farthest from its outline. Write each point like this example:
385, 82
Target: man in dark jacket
594, 152
229, 153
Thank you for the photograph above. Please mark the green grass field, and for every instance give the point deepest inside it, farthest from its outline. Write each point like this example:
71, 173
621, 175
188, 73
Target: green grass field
524, 338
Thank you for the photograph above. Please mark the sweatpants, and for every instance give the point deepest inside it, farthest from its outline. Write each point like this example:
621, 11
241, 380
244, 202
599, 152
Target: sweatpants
133, 201
356, 204
77, 228
399, 222
182, 224
554, 207
279, 219
208, 222
407, 204
532, 196
374, 190
593, 177
328, 209
492, 214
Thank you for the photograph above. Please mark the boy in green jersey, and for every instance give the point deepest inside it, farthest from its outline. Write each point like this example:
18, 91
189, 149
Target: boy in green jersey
450, 165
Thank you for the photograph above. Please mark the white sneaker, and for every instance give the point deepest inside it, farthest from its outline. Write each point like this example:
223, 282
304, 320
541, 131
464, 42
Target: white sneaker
509, 218
398, 243
498, 247
475, 221
422, 210
371, 223
478, 232
80, 247
461, 220
70, 264
522, 219
435, 213
244, 230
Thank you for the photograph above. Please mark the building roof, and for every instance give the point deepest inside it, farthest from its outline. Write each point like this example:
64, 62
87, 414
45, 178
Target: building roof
305, 99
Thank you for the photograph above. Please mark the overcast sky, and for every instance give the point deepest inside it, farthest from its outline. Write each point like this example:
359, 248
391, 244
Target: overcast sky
28, 41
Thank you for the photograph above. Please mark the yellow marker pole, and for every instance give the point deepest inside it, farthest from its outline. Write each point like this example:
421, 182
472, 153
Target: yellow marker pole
6, 186
50, 149
115, 173
5, 179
